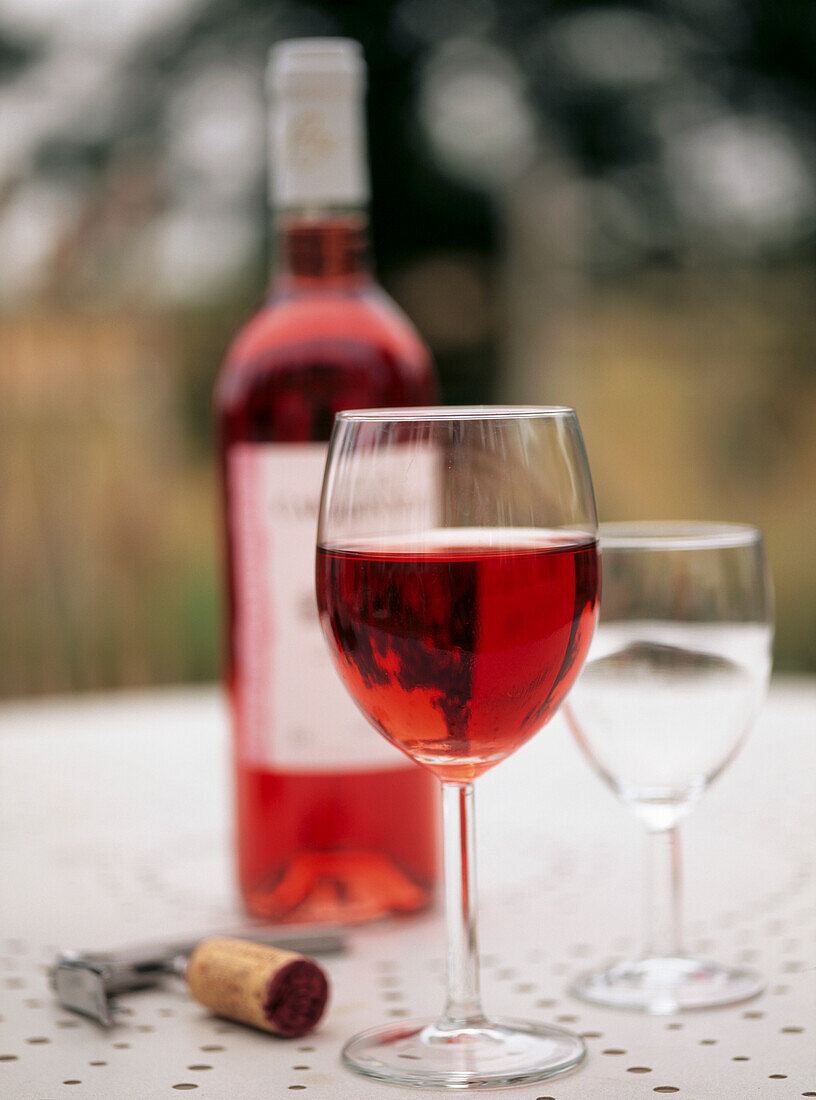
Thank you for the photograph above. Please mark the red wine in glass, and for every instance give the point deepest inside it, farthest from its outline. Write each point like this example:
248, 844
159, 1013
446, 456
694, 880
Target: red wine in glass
459, 652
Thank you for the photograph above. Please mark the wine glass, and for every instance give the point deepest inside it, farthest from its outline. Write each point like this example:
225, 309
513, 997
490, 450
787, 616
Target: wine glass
676, 672
457, 580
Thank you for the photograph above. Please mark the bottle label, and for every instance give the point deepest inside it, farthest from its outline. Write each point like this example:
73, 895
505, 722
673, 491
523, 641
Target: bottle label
294, 712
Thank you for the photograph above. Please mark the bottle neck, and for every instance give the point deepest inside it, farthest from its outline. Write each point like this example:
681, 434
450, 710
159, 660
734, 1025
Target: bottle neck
321, 248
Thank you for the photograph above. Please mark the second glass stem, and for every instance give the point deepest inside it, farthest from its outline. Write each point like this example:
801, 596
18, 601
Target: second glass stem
663, 893
463, 1005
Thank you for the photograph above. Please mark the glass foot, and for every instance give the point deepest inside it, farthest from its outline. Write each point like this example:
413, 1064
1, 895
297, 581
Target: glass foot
488, 1055
665, 985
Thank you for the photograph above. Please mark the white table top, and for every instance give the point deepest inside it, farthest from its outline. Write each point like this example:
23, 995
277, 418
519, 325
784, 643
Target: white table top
114, 820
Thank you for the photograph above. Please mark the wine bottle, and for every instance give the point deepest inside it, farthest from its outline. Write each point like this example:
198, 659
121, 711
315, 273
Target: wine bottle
333, 824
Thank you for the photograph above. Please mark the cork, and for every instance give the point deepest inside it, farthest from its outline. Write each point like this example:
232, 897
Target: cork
265, 987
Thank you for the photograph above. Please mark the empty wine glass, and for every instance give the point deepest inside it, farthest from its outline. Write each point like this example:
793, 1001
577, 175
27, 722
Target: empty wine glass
457, 579
676, 672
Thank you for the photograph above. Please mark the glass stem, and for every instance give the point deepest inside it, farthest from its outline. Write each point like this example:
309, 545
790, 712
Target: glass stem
663, 893
463, 1006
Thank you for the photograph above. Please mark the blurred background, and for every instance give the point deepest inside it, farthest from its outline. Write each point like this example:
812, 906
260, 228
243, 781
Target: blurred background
606, 205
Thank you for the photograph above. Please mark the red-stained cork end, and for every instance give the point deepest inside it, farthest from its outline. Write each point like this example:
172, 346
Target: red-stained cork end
266, 987
296, 997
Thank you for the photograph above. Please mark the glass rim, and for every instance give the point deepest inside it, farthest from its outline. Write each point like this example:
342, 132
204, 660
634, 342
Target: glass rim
676, 535
419, 413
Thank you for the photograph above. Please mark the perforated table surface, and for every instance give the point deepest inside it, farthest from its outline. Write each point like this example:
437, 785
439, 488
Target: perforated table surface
114, 827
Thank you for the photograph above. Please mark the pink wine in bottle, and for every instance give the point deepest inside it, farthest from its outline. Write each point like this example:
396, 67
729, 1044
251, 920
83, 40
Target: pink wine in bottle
333, 824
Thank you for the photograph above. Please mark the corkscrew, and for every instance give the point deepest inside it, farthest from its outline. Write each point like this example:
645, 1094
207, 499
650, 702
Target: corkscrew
89, 982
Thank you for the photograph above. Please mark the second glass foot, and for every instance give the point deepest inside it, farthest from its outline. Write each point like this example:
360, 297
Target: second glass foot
498, 1052
666, 985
